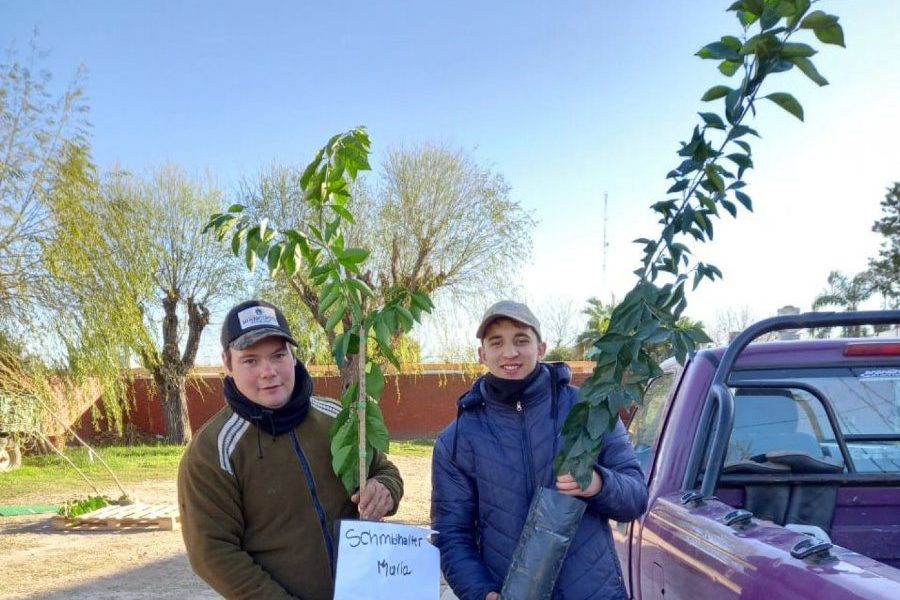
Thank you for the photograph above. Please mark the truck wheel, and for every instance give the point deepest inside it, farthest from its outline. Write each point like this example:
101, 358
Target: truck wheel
10, 458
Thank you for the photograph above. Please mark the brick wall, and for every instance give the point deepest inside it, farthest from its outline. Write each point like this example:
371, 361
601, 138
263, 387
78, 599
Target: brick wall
415, 405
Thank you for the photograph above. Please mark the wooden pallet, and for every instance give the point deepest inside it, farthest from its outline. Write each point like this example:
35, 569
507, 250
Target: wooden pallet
142, 516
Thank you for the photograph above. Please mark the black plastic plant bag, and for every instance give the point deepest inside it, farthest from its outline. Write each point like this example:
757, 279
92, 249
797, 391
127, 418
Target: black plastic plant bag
549, 528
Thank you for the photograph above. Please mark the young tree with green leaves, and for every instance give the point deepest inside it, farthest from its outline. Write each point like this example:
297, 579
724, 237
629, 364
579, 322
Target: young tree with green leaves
433, 219
316, 252
708, 180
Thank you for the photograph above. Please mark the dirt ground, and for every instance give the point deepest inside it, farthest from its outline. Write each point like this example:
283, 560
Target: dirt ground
40, 562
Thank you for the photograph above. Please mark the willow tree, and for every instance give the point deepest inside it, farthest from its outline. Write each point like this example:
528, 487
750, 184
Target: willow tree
707, 182
38, 130
132, 259
44, 162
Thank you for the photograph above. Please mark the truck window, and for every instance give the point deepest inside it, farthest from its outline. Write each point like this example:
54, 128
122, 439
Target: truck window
647, 419
866, 403
778, 420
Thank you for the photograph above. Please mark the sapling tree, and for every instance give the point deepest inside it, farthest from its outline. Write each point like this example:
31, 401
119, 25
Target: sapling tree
708, 181
344, 291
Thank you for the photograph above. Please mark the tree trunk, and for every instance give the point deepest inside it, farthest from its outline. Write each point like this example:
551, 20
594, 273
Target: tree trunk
171, 376
174, 396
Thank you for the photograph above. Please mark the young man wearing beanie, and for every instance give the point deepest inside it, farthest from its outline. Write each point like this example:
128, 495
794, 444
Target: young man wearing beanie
256, 491
489, 462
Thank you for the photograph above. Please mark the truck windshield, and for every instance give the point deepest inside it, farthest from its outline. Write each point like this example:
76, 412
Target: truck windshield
865, 400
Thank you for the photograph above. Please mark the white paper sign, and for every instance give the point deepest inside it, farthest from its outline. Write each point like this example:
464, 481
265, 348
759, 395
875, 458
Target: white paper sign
386, 561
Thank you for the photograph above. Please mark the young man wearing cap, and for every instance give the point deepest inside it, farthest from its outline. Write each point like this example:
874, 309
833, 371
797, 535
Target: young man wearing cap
256, 491
489, 462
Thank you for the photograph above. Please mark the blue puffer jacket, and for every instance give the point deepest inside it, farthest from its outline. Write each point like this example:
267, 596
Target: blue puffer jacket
486, 467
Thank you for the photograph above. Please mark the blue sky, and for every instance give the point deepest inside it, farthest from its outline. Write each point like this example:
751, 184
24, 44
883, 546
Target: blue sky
567, 100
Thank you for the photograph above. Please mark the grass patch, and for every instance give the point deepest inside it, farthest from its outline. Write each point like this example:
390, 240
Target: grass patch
51, 475
411, 447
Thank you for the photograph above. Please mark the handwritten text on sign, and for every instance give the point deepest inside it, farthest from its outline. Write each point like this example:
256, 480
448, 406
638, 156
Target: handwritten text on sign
386, 560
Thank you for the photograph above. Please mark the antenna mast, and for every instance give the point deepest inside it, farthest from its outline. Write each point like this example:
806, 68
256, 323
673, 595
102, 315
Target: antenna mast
605, 243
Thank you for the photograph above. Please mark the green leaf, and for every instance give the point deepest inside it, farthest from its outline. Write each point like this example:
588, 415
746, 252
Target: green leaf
712, 120
311, 169
733, 108
787, 102
754, 6
331, 293
679, 186
290, 260
800, 6
376, 431
274, 257
729, 67
236, 208
715, 92
745, 200
806, 66
769, 17
336, 316
349, 397
730, 207
831, 35
361, 286
236, 241
374, 380
825, 27
353, 256
714, 178
719, 50
421, 300
740, 131
405, 317
763, 45
793, 50
346, 214
382, 334
250, 258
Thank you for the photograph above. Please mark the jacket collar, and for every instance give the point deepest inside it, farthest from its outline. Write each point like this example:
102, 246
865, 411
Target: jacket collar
549, 371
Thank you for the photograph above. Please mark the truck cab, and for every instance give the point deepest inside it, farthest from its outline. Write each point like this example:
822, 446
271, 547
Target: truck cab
773, 470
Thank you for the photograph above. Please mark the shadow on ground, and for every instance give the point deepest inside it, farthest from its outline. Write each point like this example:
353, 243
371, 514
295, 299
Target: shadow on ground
170, 578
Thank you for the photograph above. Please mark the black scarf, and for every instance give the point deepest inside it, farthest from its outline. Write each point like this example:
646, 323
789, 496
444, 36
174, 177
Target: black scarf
279, 420
508, 391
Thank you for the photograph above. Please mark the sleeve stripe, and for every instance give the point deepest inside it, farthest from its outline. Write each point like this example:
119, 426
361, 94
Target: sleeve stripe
323, 406
229, 436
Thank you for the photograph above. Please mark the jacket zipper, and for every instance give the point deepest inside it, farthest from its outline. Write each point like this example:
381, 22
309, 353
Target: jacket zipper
323, 522
526, 450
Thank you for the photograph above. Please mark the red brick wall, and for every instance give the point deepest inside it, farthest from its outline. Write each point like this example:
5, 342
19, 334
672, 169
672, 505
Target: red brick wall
414, 405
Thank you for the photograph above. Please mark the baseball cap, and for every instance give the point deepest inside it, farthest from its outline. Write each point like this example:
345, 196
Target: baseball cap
251, 321
510, 310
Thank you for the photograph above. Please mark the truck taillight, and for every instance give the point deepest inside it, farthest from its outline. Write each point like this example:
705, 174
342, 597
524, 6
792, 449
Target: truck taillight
872, 349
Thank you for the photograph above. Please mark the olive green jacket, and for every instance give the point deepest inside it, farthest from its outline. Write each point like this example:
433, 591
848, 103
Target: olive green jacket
258, 511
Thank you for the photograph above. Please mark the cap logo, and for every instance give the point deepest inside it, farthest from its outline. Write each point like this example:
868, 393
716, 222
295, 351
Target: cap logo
256, 316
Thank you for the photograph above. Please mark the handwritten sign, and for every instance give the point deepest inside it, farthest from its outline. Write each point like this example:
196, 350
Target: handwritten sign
386, 560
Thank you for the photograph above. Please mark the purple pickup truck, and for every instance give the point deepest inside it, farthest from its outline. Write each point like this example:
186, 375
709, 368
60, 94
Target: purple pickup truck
773, 468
